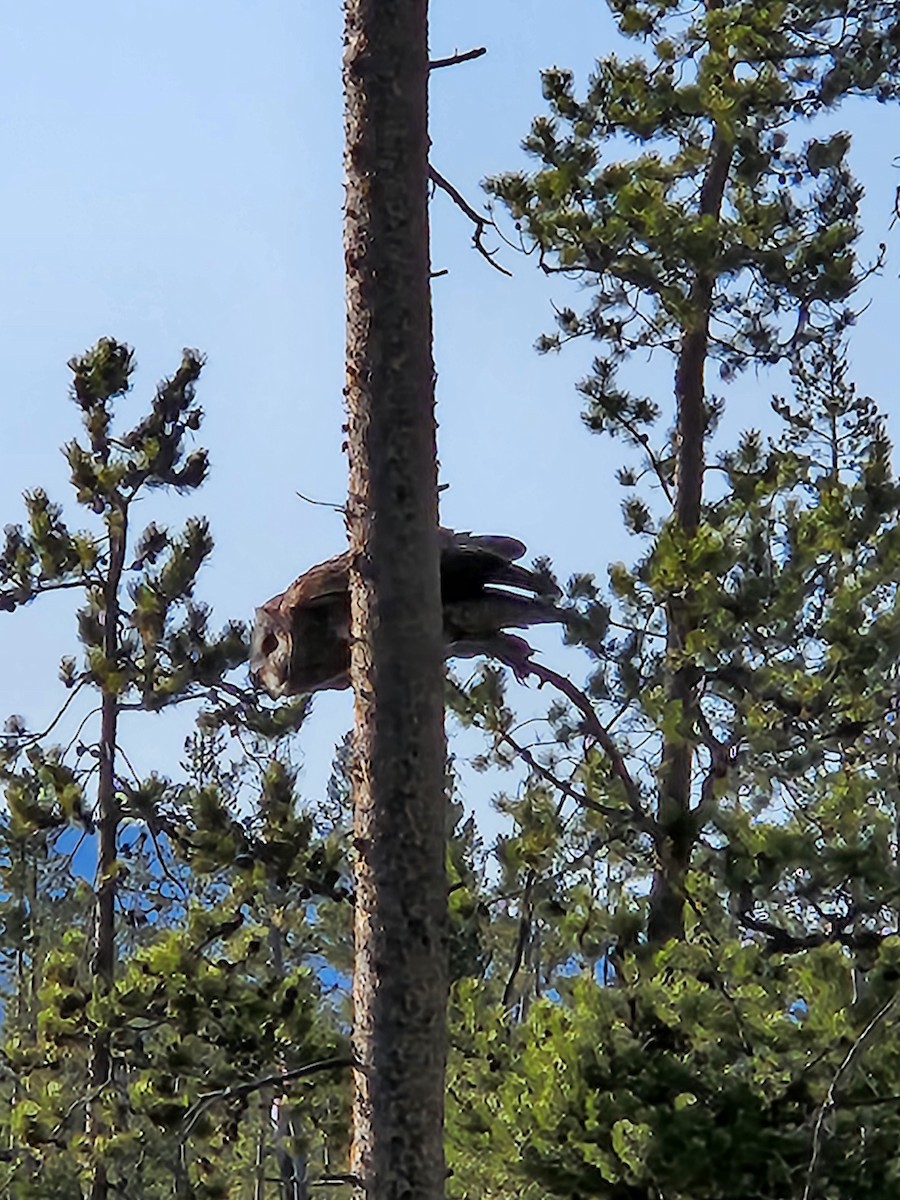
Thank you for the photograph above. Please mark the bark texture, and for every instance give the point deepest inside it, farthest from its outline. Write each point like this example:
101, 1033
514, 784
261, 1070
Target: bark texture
400, 983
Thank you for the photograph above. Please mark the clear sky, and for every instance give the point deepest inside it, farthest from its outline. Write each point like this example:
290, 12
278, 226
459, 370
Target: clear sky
172, 177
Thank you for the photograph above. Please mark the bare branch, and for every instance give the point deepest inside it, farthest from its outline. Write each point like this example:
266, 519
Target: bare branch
239, 1090
829, 1102
321, 503
595, 728
562, 785
455, 59
480, 222
524, 932
32, 738
81, 1102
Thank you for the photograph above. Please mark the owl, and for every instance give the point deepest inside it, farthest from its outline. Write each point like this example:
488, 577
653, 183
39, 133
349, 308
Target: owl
301, 638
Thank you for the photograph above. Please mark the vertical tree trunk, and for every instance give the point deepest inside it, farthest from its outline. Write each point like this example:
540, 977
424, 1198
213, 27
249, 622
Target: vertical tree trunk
104, 953
400, 981
290, 1152
677, 832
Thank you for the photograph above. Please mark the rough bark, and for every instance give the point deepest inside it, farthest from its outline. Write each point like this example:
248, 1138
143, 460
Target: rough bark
677, 832
104, 949
400, 982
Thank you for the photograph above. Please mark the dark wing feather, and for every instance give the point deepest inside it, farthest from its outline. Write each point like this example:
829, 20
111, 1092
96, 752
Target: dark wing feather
493, 611
497, 545
471, 563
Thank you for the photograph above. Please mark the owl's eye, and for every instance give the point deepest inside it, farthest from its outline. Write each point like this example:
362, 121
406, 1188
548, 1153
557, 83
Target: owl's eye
270, 643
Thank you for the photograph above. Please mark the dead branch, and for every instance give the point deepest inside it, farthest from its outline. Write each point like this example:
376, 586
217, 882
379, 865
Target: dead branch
239, 1090
829, 1102
595, 728
321, 503
455, 59
562, 785
524, 932
480, 222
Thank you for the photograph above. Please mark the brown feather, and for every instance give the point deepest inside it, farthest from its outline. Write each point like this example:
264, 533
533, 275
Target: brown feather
301, 641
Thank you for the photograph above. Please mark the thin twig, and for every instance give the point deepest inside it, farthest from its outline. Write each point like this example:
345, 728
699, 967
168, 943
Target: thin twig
67, 861
522, 936
13, 598
455, 59
480, 222
605, 810
321, 503
239, 1090
596, 729
77, 734
32, 738
179, 886
82, 1101
829, 1102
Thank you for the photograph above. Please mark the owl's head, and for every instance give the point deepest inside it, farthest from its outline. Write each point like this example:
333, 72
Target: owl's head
271, 647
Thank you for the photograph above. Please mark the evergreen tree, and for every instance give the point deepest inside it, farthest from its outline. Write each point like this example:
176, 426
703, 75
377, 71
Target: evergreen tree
715, 861
145, 644
727, 238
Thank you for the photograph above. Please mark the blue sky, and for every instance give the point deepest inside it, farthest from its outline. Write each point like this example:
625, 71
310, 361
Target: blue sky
172, 176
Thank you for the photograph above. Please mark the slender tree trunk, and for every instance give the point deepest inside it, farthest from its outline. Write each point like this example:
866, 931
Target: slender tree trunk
677, 830
104, 953
290, 1152
400, 982
259, 1186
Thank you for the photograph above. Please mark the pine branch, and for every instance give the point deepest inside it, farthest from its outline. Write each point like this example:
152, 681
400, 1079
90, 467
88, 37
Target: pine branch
240, 1090
605, 810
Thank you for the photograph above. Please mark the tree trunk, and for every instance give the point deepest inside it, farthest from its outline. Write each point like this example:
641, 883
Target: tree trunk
400, 982
674, 818
104, 952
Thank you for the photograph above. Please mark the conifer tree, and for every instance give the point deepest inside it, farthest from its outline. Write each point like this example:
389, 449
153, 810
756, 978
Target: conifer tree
151, 1015
724, 1023
145, 644
726, 239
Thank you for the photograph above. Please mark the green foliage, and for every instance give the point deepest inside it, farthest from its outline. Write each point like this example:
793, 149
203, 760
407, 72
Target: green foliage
703, 191
733, 754
214, 981
699, 1076
721, 96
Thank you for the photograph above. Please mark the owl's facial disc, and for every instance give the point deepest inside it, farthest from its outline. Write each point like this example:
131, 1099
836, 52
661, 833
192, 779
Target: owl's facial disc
270, 656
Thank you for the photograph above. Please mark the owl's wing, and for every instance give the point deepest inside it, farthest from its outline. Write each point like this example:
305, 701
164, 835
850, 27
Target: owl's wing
493, 545
483, 590
473, 565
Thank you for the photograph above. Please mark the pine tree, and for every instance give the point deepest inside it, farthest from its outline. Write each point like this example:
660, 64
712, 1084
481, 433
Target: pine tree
727, 238
723, 871
756, 1055
145, 644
